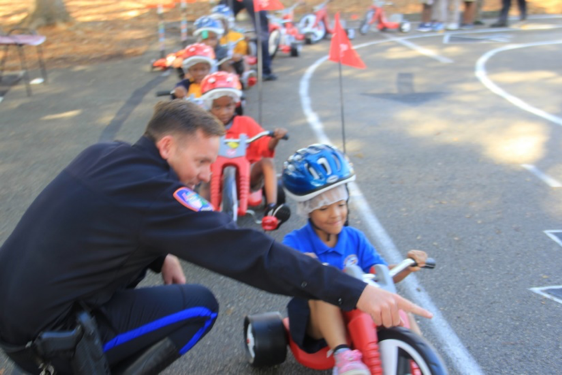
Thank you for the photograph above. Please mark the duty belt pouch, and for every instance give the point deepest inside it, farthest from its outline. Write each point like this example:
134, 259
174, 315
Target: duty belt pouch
82, 346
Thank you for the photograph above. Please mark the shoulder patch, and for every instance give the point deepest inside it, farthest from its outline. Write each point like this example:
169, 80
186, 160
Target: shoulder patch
192, 200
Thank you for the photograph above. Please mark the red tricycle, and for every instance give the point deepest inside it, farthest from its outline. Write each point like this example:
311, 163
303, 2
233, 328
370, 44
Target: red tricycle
316, 26
388, 351
230, 182
376, 15
284, 35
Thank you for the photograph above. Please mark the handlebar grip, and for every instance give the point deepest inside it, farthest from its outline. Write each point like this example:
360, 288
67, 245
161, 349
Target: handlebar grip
272, 134
163, 93
429, 263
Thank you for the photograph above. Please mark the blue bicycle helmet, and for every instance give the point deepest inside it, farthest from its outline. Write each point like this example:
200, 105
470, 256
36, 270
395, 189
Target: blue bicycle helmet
223, 12
313, 170
207, 23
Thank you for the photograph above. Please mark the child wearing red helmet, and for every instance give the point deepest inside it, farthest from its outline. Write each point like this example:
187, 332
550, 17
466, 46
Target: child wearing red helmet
198, 60
221, 91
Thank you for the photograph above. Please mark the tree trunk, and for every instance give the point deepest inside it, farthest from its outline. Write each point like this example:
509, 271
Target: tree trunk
47, 13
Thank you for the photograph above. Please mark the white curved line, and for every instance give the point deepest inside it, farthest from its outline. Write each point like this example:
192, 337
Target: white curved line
450, 343
480, 72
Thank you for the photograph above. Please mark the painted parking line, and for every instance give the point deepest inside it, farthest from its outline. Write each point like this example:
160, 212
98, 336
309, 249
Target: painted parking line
553, 292
480, 72
553, 183
450, 343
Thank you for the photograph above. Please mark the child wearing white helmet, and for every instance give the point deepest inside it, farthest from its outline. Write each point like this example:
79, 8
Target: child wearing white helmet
316, 177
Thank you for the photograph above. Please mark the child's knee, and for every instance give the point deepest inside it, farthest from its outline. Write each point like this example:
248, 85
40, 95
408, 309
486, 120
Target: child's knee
268, 163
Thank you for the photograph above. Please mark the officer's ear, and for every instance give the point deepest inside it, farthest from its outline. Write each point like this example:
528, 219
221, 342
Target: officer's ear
165, 146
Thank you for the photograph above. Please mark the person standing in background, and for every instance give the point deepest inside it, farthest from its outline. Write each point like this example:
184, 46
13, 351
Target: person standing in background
504, 13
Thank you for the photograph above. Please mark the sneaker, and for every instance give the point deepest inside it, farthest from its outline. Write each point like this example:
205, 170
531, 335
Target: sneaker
424, 27
499, 24
452, 26
269, 77
281, 212
437, 26
467, 26
348, 362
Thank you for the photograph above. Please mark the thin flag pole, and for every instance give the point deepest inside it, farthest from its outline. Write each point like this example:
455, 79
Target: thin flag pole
342, 108
260, 65
338, 32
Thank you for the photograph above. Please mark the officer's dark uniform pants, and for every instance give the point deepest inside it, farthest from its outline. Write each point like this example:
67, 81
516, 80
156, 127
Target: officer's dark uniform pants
135, 319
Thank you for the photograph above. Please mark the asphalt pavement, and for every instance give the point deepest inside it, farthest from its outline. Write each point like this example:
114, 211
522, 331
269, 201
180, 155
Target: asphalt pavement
455, 142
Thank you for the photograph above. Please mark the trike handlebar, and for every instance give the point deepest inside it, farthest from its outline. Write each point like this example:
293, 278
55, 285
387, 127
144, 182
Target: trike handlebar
384, 277
409, 262
256, 137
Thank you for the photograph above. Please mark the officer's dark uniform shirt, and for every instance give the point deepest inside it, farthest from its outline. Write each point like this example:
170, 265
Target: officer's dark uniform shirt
111, 214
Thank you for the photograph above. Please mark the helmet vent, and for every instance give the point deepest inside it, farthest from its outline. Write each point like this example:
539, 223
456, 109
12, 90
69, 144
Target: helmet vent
313, 172
338, 163
324, 164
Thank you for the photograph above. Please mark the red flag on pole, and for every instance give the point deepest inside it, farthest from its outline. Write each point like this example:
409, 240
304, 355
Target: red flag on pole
267, 5
341, 49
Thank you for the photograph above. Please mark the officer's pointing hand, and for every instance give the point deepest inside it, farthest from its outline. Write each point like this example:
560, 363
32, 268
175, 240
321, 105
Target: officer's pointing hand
383, 306
172, 273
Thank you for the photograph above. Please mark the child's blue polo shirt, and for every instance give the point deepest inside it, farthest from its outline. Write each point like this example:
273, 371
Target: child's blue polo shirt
352, 246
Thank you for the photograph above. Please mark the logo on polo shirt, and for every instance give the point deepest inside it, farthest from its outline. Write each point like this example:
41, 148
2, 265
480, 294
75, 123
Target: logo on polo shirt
192, 200
350, 260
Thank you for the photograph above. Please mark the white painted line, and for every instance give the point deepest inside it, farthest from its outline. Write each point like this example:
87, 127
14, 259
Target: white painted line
480, 72
550, 233
494, 38
451, 345
422, 50
543, 176
540, 290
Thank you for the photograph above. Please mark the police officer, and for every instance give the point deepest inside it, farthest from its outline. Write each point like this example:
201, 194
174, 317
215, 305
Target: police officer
119, 209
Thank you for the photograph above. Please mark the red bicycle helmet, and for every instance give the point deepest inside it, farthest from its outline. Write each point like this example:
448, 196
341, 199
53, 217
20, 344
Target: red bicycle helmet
220, 84
197, 53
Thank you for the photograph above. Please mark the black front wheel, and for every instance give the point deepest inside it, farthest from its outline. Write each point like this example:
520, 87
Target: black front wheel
402, 352
265, 339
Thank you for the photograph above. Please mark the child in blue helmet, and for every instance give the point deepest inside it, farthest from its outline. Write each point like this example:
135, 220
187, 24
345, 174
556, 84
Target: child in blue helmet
209, 31
316, 178
235, 42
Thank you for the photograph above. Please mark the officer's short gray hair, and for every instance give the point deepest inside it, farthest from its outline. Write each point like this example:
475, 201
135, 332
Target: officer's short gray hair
183, 118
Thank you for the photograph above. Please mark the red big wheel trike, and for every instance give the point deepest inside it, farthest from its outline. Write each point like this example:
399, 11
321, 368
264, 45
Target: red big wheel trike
387, 351
377, 16
230, 181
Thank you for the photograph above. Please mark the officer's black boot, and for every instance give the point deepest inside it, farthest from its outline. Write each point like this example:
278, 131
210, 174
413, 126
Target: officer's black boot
152, 361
